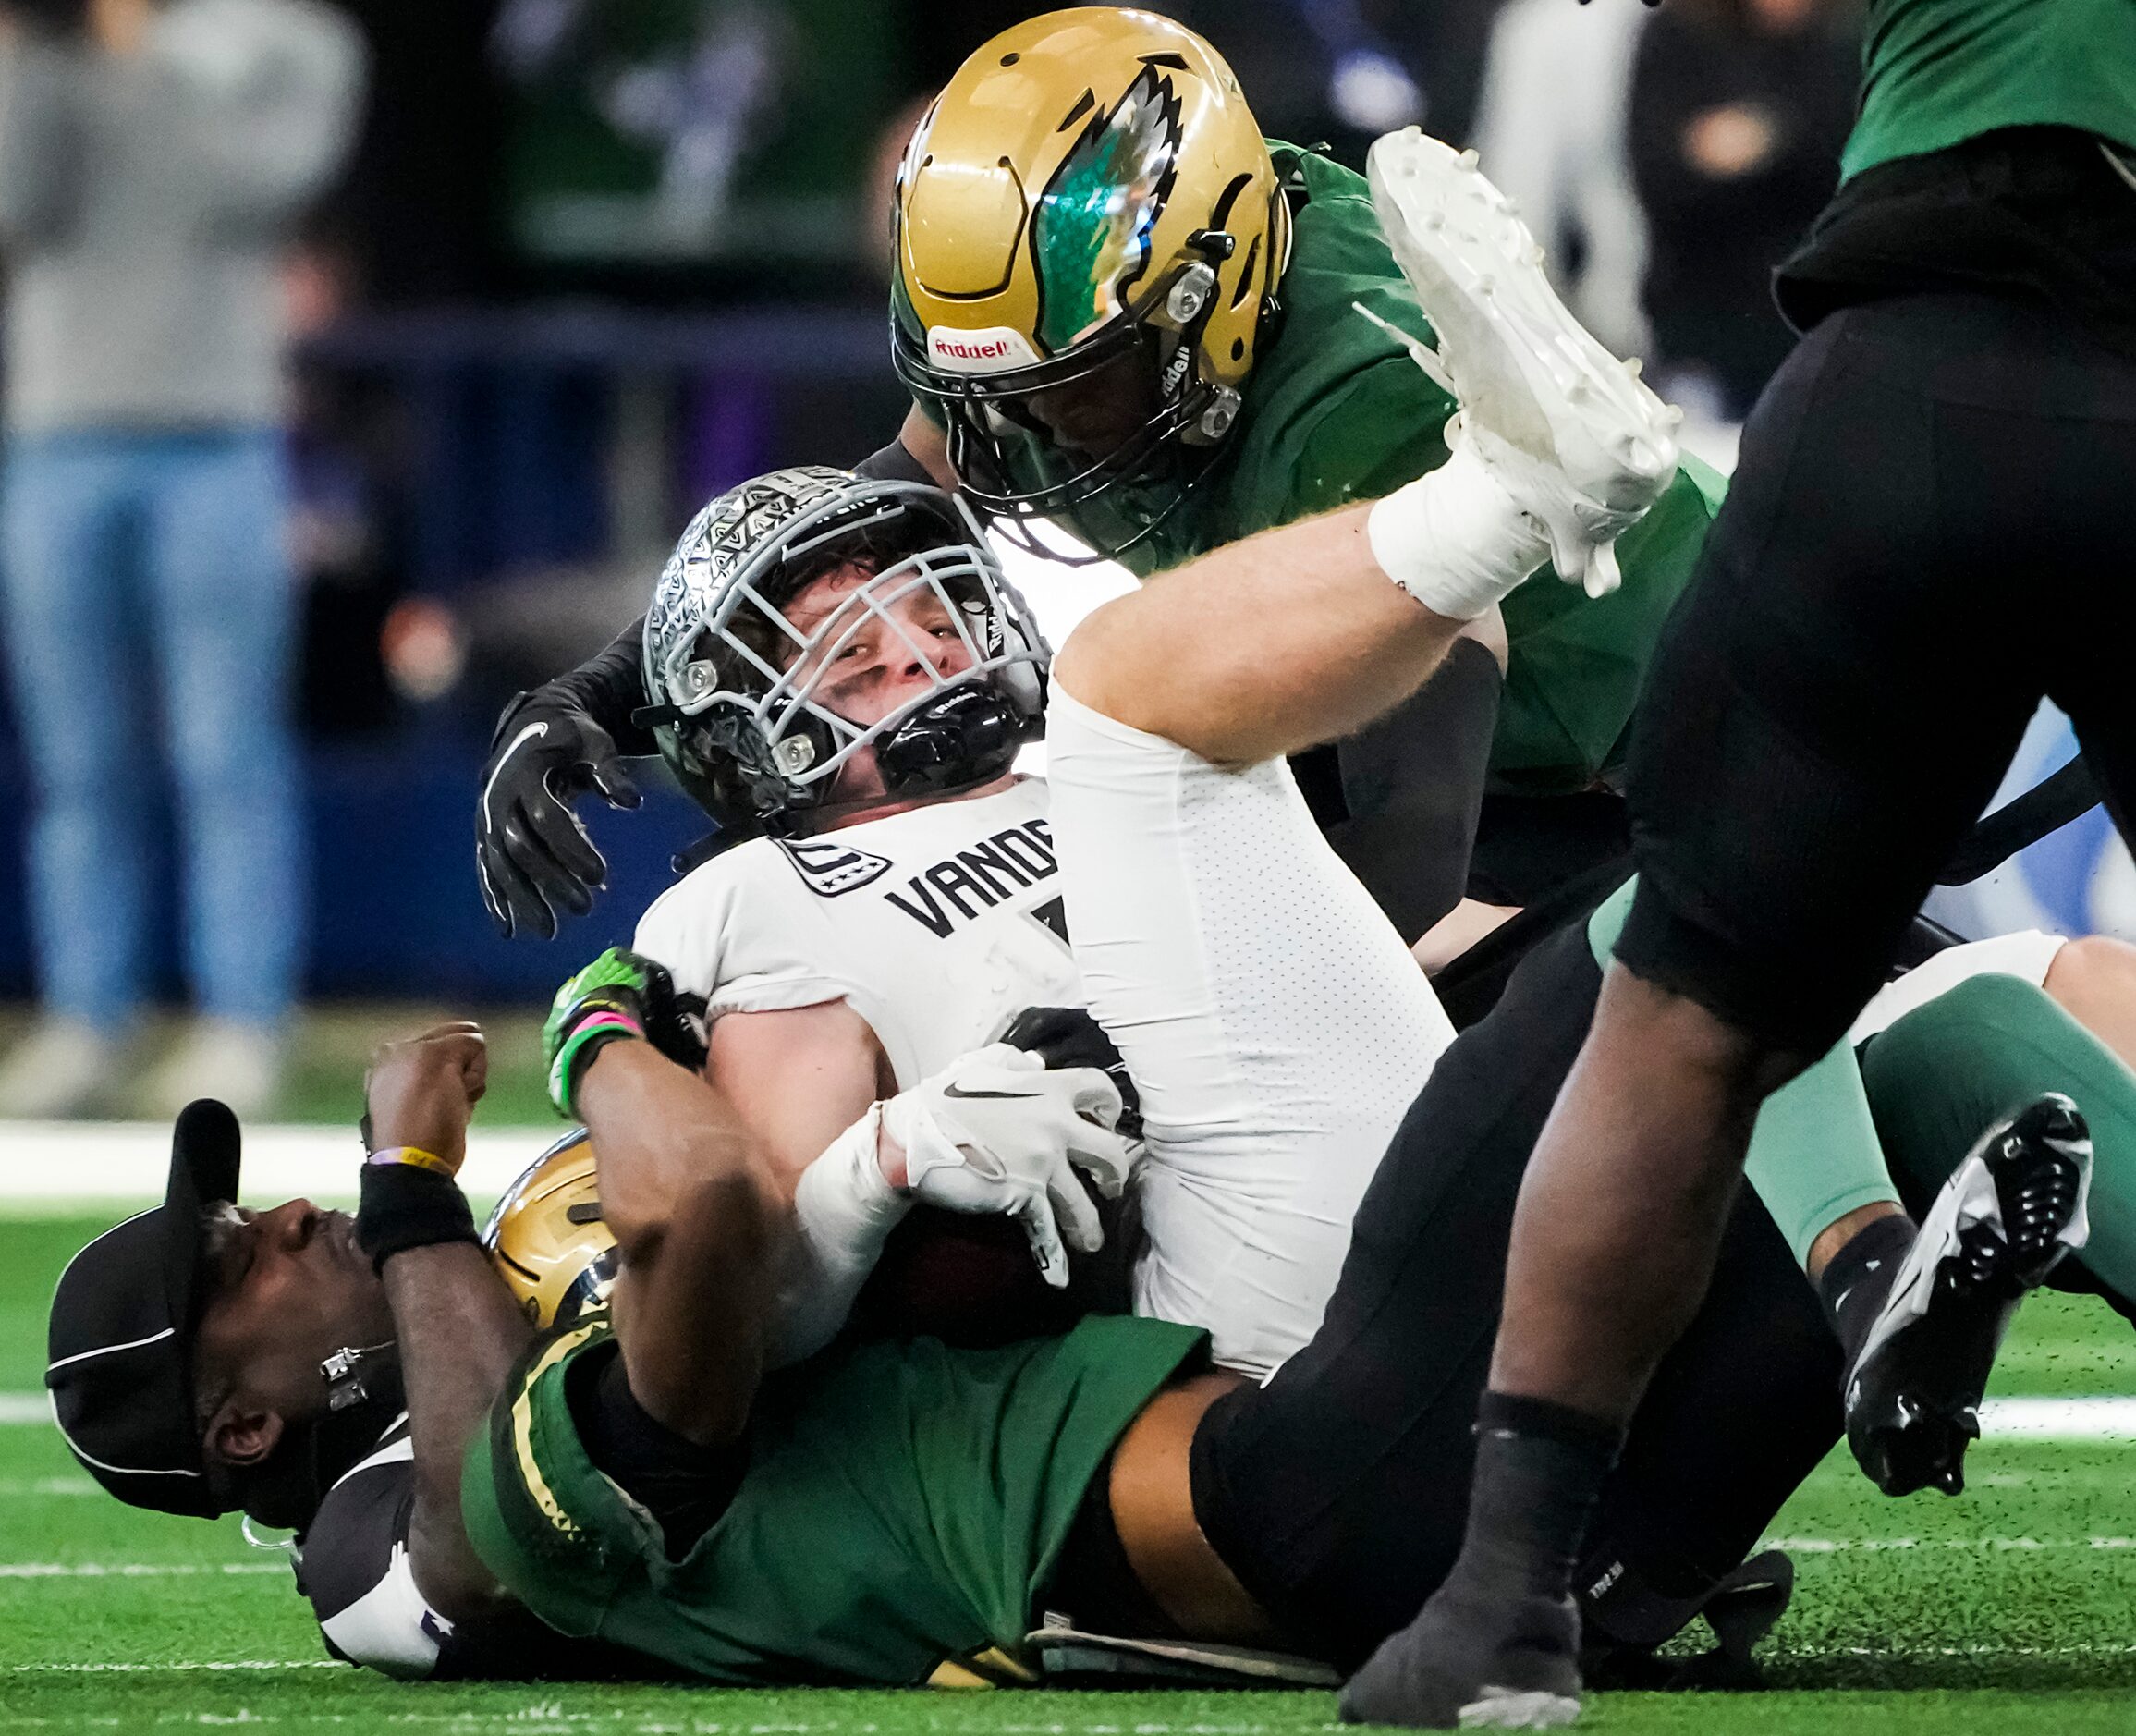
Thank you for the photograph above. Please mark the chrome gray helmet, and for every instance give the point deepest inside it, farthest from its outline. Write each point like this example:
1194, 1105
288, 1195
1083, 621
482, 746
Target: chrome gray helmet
733, 683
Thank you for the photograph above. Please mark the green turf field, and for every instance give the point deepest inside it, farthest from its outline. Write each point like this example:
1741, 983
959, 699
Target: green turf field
2009, 1611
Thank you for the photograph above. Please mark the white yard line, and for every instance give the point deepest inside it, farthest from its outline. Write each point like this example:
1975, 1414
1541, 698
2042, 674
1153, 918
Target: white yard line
128, 1162
135, 1570
149, 1669
2058, 1419
1992, 1545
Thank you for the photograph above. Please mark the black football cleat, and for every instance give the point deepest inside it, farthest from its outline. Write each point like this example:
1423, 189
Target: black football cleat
2008, 1212
1469, 1663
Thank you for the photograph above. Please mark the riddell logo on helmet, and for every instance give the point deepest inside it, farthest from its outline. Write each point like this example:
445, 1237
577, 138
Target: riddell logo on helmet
989, 352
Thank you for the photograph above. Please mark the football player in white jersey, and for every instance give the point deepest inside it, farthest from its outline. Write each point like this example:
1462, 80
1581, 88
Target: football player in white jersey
841, 667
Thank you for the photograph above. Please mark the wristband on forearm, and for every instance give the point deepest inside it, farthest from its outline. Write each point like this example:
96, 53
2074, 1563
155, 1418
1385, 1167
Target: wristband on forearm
600, 1025
610, 687
415, 1156
409, 1206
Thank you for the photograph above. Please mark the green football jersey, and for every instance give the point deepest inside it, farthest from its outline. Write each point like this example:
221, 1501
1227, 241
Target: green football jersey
901, 1514
1937, 72
1335, 410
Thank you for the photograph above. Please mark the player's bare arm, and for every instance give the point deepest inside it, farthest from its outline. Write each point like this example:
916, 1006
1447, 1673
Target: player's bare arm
1189, 655
698, 1212
456, 1323
799, 1077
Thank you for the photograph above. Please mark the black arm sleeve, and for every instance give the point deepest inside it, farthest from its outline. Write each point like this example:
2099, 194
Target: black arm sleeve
685, 1487
1412, 786
608, 686
893, 464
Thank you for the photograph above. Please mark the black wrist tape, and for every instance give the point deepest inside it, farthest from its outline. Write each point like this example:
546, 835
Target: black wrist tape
405, 1206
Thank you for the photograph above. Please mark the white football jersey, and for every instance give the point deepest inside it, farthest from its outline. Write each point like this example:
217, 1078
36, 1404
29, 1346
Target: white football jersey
937, 925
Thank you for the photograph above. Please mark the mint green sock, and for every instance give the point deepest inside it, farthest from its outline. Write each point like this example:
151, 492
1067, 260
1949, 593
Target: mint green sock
1940, 1075
1814, 1155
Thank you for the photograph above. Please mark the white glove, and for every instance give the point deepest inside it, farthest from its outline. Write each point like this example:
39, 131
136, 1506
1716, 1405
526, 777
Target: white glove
995, 1131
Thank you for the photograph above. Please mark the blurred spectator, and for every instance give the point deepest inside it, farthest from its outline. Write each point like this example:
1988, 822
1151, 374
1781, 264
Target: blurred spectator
1550, 129
1737, 111
154, 159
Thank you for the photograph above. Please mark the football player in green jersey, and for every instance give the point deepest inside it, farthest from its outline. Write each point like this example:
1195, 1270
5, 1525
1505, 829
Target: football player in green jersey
643, 1479
1927, 532
1121, 308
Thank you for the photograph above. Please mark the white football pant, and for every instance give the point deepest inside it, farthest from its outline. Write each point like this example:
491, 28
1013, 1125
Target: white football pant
1275, 1024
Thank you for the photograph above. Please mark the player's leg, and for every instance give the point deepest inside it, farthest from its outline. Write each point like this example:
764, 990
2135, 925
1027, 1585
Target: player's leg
1916, 1333
225, 604
1936, 1075
2094, 980
1276, 1027
1826, 719
78, 659
1337, 1491
1298, 635
1814, 1159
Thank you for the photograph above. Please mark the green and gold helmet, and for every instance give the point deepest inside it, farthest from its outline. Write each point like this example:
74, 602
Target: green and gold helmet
547, 1238
1089, 238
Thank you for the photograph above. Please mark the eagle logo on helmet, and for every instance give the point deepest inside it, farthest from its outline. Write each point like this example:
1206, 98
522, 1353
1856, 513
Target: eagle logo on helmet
1091, 231
1089, 234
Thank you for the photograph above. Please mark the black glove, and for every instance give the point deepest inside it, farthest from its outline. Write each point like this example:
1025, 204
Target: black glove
534, 857
1069, 1036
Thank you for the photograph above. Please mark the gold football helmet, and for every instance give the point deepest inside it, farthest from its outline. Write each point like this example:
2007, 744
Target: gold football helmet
1089, 238
547, 1238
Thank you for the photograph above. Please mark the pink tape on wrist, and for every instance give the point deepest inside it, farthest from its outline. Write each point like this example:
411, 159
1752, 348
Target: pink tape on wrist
609, 1019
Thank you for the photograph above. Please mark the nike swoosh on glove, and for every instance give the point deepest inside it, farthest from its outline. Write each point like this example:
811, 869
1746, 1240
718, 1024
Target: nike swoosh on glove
996, 1131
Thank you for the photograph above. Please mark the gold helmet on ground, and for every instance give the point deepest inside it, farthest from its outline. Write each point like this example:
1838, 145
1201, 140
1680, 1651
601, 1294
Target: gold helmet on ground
547, 1238
1089, 236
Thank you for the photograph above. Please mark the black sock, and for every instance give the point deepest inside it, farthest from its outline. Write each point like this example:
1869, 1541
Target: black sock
1858, 1278
1539, 1467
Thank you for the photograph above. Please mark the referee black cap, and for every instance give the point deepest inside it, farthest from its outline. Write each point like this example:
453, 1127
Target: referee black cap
123, 1321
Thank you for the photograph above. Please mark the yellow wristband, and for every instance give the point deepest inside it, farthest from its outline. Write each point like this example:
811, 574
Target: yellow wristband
413, 1155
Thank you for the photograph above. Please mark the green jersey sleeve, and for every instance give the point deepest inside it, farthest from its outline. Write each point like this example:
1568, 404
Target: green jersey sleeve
1935, 73
1337, 411
902, 1513
1579, 664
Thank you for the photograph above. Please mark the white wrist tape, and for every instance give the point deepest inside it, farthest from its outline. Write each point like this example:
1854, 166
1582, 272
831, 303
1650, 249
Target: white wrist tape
1454, 539
845, 1211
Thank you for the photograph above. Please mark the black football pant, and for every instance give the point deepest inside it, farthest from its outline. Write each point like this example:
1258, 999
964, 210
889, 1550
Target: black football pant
1337, 1493
1933, 524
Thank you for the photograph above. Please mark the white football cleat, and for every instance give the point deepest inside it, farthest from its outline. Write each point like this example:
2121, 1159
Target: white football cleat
1569, 431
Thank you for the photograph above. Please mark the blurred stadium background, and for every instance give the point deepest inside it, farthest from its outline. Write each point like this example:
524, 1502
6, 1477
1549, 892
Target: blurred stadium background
592, 261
